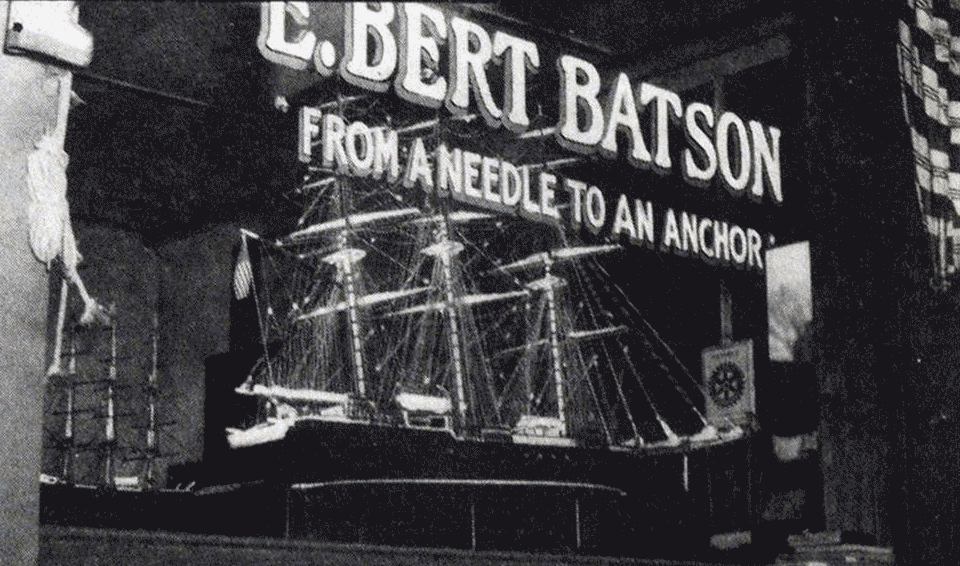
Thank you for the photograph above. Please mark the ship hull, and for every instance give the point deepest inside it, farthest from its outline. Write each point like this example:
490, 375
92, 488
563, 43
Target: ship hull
323, 451
319, 451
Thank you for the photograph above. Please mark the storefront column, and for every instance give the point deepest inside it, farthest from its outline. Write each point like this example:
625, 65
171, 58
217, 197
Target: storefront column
863, 256
28, 107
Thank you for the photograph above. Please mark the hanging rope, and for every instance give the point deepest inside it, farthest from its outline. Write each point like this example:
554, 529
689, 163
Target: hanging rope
49, 213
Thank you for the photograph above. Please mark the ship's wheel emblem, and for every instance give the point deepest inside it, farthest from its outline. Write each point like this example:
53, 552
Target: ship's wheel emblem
726, 384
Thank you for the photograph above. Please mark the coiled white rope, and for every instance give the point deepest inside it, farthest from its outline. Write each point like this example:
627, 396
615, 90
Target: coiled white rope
51, 233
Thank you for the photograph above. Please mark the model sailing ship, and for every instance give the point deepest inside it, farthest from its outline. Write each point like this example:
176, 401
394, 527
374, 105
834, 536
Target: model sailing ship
93, 485
406, 336
99, 406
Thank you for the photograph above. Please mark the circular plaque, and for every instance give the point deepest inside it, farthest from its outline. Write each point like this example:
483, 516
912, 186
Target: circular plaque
726, 384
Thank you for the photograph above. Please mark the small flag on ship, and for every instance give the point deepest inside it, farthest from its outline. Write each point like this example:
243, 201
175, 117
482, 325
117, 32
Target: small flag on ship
242, 272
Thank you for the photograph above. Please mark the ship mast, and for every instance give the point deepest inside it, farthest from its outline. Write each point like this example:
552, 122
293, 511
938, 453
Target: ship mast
549, 283
445, 249
109, 425
453, 299
68, 437
152, 400
345, 259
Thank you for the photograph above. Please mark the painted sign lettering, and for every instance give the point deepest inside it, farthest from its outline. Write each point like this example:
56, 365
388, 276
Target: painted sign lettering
400, 46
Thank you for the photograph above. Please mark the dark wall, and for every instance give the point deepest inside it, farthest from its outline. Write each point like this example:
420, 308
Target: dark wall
926, 447
868, 272
197, 275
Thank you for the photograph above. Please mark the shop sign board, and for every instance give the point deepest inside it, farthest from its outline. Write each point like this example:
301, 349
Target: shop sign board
434, 58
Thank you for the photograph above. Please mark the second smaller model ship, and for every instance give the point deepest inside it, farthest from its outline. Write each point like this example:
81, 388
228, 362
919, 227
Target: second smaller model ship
91, 486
